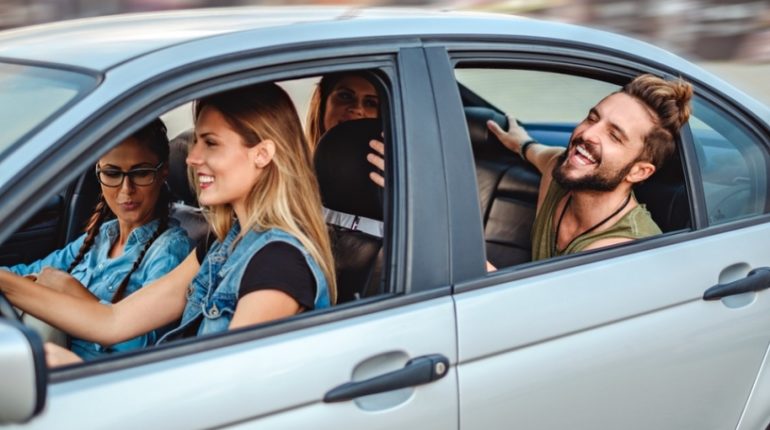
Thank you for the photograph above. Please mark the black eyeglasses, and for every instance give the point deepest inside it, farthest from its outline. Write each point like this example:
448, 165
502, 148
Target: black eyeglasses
142, 176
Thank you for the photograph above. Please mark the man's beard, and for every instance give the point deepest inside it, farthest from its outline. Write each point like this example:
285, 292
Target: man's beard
596, 181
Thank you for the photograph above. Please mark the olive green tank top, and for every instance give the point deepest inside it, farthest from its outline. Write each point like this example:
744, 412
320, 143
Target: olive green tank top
635, 224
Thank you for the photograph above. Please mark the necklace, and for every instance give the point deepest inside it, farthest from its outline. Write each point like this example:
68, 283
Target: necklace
554, 250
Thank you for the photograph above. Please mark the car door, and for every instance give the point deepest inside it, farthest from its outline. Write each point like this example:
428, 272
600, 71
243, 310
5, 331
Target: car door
381, 362
623, 337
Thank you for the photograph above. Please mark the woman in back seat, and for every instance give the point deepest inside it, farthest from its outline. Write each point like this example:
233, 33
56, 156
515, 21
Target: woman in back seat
341, 97
271, 257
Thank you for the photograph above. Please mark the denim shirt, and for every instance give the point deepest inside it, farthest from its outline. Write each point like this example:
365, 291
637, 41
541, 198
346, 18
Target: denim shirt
102, 275
213, 293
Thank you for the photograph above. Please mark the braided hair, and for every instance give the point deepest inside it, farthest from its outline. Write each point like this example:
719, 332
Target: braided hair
154, 136
164, 207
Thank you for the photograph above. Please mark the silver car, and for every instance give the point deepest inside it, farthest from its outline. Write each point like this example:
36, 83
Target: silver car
670, 332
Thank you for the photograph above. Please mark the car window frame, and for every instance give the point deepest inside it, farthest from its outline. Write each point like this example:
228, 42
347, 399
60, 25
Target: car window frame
585, 60
142, 105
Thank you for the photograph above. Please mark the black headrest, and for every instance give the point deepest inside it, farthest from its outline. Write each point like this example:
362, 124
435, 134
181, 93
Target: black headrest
485, 144
177, 169
343, 172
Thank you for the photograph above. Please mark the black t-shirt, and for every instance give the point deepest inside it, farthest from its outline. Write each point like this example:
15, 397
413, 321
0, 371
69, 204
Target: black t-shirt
277, 266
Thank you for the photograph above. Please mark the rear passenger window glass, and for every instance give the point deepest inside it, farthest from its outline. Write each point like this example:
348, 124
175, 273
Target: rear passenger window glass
733, 165
549, 106
534, 96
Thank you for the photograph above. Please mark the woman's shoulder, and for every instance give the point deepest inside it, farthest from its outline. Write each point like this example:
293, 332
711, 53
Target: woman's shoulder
176, 234
278, 235
174, 238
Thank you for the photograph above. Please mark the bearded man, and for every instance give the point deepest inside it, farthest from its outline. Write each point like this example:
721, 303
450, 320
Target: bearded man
586, 198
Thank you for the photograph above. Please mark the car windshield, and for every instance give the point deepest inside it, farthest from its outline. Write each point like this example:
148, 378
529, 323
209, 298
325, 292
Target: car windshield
30, 95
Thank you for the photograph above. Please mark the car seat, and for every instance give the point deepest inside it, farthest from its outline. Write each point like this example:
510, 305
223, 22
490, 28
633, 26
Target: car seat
508, 189
185, 208
343, 178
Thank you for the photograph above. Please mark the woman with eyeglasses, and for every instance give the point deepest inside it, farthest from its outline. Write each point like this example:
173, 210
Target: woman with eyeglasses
269, 258
129, 241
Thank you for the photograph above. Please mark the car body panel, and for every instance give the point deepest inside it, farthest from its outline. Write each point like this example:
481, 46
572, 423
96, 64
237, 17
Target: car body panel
758, 406
610, 353
275, 380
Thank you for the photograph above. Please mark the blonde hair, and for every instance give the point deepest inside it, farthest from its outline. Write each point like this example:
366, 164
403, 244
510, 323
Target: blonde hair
316, 109
286, 195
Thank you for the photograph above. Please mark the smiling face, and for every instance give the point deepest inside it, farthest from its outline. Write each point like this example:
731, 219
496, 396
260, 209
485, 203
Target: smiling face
353, 97
133, 205
605, 147
223, 165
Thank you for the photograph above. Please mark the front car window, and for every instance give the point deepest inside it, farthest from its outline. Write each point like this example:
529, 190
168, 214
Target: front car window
30, 95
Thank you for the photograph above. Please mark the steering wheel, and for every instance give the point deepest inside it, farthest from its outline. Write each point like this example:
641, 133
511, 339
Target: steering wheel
7, 310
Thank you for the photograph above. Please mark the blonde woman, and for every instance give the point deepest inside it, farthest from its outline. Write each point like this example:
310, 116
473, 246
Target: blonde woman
270, 257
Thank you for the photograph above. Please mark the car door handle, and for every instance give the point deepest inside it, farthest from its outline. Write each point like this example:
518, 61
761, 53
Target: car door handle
417, 371
758, 279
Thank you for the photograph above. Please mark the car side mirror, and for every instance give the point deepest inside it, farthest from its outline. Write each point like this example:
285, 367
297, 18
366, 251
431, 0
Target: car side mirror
23, 373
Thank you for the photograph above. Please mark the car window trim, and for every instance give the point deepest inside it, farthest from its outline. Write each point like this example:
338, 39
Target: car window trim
590, 68
580, 55
118, 121
467, 252
596, 65
566, 262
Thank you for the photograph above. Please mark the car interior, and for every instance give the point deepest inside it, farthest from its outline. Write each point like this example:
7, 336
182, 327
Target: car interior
507, 190
508, 185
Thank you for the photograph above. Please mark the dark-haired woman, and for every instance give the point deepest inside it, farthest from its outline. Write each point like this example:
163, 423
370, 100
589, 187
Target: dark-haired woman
130, 239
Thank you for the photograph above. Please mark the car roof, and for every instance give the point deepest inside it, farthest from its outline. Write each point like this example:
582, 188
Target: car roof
103, 42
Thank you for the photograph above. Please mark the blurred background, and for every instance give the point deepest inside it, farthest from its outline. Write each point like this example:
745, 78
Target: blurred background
729, 37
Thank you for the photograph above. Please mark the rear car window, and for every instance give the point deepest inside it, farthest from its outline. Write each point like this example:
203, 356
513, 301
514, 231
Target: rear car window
536, 96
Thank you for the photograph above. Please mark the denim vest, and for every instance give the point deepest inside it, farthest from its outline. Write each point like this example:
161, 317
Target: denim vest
102, 274
213, 293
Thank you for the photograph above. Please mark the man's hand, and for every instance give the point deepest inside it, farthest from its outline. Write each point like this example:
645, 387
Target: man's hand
377, 159
63, 282
55, 355
490, 267
513, 138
